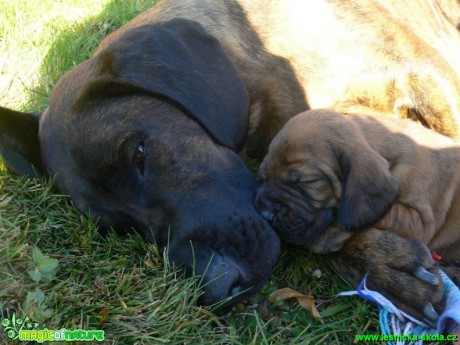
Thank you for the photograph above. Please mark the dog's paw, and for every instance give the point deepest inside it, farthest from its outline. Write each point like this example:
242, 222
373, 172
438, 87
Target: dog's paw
402, 270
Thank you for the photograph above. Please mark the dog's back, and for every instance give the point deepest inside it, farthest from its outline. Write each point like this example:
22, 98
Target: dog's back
390, 129
337, 55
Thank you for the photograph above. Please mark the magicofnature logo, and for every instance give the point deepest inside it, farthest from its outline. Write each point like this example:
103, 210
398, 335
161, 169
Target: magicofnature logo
13, 326
25, 329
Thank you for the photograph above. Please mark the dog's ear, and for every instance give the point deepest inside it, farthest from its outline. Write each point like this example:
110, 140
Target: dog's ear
369, 189
181, 61
19, 143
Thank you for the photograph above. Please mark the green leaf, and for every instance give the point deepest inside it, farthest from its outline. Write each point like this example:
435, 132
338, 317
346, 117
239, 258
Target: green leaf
47, 265
38, 296
37, 255
35, 275
333, 310
48, 276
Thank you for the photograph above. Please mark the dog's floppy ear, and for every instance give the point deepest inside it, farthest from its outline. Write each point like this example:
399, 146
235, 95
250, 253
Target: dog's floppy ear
19, 143
369, 189
181, 61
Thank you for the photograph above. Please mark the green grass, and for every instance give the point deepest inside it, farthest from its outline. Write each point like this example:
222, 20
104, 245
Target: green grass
122, 284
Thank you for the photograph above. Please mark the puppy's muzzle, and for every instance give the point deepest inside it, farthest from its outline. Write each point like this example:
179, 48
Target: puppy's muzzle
266, 205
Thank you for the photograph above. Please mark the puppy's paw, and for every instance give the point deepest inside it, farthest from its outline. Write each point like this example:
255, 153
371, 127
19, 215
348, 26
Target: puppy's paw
402, 270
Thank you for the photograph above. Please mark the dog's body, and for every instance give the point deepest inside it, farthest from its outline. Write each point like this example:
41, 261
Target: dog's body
406, 69
146, 132
327, 176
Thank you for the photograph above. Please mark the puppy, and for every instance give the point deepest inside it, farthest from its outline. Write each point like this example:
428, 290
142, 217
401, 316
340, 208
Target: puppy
327, 175
330, 178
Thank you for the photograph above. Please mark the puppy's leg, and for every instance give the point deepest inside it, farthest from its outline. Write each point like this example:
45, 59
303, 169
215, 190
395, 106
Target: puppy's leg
402, 270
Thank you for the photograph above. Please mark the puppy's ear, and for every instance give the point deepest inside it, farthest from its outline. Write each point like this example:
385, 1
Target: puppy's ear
181, 61
19, 143
369, 189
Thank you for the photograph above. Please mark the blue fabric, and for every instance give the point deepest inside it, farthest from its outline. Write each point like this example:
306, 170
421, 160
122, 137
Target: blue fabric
394, 321
449, 320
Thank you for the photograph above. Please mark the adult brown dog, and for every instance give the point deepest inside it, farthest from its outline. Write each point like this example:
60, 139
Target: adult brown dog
329, 177
146, 133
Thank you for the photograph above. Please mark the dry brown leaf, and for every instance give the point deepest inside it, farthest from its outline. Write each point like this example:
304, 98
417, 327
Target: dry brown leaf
306, 301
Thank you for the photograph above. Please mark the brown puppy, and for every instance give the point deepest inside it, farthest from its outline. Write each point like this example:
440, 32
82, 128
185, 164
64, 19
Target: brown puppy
328, 175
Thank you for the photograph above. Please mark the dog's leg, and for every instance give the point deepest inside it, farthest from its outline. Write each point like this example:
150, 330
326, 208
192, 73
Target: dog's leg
432, 99
402, 270
429, 94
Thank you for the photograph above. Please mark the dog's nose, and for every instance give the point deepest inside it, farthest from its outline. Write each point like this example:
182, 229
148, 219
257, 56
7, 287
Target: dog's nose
236, 290
222, 280
333, 247
267, 214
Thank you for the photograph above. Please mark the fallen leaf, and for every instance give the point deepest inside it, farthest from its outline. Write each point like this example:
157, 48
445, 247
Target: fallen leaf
103, 316
306, 301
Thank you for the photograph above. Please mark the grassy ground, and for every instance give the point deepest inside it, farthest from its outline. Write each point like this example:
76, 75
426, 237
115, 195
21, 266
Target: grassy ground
54, 266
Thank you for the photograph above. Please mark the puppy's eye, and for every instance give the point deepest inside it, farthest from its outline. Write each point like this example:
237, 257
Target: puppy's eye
294, 176
139, 156
309, 182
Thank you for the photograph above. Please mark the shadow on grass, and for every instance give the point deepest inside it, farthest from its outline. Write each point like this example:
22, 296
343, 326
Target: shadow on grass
76, 43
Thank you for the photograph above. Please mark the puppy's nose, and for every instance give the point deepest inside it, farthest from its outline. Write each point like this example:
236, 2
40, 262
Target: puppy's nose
264, 205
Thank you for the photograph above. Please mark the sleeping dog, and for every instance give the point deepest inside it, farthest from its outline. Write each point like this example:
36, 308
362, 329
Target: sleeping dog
148, 133
330, 181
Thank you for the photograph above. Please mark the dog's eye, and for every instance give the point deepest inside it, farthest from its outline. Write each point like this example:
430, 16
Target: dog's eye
139, 156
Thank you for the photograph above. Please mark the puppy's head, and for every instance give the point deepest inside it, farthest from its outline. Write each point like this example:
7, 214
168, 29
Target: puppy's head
321, 180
